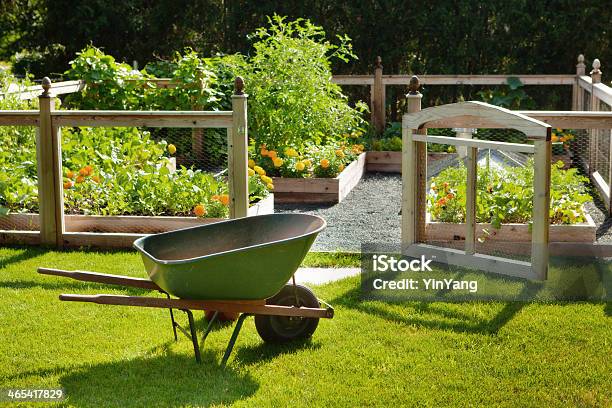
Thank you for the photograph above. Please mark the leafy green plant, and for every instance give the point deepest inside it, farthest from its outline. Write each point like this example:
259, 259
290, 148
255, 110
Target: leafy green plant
18, 173
293, 101
391, 140
512, 97
506, 196
110, 84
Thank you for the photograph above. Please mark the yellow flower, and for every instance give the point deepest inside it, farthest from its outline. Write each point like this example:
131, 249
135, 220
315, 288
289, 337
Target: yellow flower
299, 166
291, 152
277, 161
341, 167
266, 179
259, 170
307, 162
340, 153
324, 163
171, 149
554, 138
251, 163
270, 186
251, 172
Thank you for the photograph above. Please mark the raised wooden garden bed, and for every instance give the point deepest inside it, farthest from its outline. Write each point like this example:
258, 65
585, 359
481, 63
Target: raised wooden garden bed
384, 162
391, 162
510, 238
124, 223
320, 190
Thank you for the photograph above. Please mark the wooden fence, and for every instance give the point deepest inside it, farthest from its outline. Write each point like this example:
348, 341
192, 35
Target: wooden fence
49, 156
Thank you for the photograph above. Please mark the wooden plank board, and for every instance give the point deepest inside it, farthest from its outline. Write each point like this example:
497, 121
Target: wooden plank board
481, 112
488, 263
128, 223
92, 239
350, 177
573, 119
478, 79
510, 233
384, 162
470, 200
19, 118
237, 306
185, 119
409, 185
86, 276
237, 159
541, 208
480, 144
602, 187
19, 237
353, 79
603, 93
456, 79
58, 88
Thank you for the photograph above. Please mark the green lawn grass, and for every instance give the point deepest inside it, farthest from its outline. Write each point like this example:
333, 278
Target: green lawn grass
370, 354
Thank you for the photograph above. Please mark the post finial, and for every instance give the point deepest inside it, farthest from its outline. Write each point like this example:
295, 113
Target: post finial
239, 86
596, 65
414, 85
580, 67
378, 62
46, 85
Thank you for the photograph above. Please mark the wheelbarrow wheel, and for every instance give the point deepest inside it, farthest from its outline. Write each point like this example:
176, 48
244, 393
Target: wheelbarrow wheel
281, 329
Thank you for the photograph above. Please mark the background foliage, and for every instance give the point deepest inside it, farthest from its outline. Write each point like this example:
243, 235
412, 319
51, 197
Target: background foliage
443, 37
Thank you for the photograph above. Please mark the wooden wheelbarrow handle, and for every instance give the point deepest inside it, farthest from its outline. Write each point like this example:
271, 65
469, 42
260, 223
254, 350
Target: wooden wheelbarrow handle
240, 306
86, 276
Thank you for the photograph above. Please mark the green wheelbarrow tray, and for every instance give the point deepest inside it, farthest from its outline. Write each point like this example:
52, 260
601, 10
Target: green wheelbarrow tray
239, 266
247, 258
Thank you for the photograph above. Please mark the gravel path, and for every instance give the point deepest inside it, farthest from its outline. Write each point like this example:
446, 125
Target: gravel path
370, 214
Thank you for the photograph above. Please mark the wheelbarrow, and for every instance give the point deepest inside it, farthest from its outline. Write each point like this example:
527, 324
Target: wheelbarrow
239, 266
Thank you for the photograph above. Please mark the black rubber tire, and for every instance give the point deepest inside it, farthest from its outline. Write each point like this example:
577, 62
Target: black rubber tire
282, 329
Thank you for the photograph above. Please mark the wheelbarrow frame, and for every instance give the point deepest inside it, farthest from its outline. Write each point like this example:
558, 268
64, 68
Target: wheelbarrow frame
245, 308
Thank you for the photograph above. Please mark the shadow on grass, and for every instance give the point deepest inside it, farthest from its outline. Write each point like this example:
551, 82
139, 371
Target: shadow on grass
265, 351
72, 286
430, 315
168, 380
25, 254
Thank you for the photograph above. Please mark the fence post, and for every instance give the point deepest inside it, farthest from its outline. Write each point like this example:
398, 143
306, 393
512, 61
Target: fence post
237, 157
413, 104
541, 207
49, 165
377, 93
577, 94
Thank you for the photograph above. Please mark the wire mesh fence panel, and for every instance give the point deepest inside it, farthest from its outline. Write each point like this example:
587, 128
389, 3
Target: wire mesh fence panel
115, 176
589, 152
502, 191
18, 179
